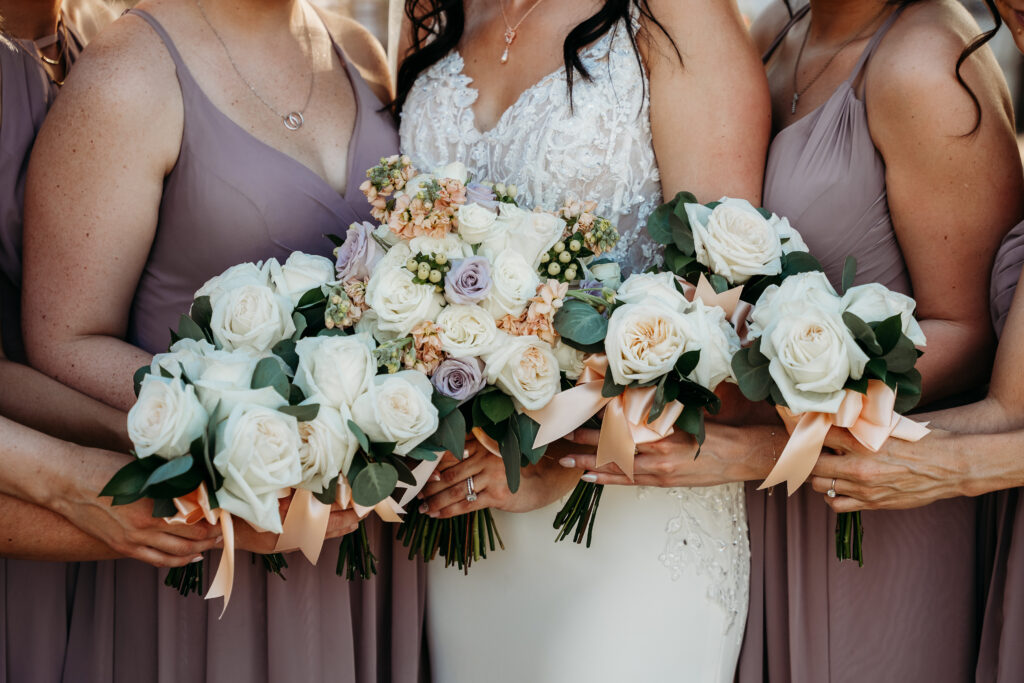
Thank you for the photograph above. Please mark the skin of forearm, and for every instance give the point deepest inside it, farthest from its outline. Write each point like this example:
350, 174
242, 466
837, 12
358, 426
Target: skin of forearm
30, 532
949, 346
99, 366
29, 397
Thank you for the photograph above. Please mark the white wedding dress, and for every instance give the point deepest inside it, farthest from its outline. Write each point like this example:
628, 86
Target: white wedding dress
662, 593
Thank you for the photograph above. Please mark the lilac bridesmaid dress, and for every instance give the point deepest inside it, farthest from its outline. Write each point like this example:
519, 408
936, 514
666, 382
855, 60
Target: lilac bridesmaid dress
909, 613
35, 597
1005, 274
231, 198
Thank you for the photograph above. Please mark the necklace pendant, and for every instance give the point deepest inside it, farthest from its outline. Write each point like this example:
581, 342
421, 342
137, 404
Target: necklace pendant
796, 98
504, 56
293, 121
510, 36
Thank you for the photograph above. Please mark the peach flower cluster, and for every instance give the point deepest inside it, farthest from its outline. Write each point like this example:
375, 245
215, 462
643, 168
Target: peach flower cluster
538, 318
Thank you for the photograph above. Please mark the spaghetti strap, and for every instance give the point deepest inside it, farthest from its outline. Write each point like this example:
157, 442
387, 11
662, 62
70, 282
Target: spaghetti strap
179, 63
873, 45
800, 14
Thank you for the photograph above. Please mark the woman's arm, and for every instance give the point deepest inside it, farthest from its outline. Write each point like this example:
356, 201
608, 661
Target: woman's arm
710, 112
953, 194
92, 199
33, 533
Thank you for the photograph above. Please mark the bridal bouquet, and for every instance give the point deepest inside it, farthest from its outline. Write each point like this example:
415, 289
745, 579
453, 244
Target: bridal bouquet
461, 284
828, 360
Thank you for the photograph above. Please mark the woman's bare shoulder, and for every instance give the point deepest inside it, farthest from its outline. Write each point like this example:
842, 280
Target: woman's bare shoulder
365, 51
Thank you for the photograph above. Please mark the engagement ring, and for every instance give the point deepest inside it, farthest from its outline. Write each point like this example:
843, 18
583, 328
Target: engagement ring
470, 492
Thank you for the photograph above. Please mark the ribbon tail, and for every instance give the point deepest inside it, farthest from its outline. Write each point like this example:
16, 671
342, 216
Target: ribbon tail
305, 526
616, 444
801, 452
388, 510
909, 430
225, 577
567, 411
487, 442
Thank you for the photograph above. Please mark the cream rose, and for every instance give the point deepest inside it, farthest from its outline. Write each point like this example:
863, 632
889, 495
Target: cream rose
338, 369
455, 170
397, 409
525, 368
514, 283
570, 360
251, 318
813, 288
608, 273
653, 289
299, 274
226, 381
466, 331
718, 343
166, 418
327, 446
185, 354
451, 246
476, 223
399, 302
645, 340
528, 232
258, 456
233, 278
874, 303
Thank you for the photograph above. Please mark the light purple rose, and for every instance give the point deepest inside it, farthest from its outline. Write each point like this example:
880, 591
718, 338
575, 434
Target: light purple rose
459, 378
469, 280
359, 254
478, 193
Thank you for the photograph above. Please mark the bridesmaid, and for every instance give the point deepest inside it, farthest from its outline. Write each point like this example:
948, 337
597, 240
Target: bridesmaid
179, 165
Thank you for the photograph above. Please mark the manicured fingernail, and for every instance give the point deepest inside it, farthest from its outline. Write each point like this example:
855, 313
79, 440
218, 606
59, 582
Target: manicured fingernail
424, 508
435, 477
465, 452
220, 539
433, 514
589, 478
567, 462
196, 559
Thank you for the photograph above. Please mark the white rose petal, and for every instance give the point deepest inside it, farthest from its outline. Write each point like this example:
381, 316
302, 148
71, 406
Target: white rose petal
187, 354
525, 368
400, 303
166, 418
258, 456
476, 223
226, 381
450, 246
455, 170
514, 283
233, 278
653, 289
466, 331
570, 360
874, 302
299, 274
397, 409
327, 446
718, 343
608, 273
645, 340
338, 369
812, 288
251, 318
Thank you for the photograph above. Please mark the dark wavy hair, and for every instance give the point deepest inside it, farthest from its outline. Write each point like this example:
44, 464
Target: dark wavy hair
972, 47
437, 27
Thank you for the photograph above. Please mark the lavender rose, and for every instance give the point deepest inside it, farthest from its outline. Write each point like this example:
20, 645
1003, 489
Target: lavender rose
469, 280
359, 254
459, 378
478, 193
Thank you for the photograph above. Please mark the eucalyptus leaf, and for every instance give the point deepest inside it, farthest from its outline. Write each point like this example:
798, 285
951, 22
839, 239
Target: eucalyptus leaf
719, 283
902, 357
333, 332
422, 453
580, 322
301, 325
311, 297
849, 273
497, 406
131, 479
687, 363
169, 470
510, 455
202, 312
610, 389
304, 413
285, 350
364, 443
751, 369
691, 421
682, 232
374, 483
888, 332
451, 434
268, 373
189, 329
863, 333
137, 378
164, 507
295, 396
526, 432
658, 407
405, 474
678, 262
329, 494
799, 262
660, 223
444, 404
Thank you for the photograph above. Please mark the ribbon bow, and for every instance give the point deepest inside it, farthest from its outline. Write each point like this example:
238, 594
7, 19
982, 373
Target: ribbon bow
625, 422
194, 507
871, 419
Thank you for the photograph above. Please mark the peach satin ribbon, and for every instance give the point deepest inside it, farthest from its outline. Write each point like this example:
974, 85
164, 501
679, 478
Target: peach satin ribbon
194, 507
870, 418
625, 421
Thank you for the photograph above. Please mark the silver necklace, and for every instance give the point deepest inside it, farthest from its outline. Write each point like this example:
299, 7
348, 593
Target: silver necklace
293, 120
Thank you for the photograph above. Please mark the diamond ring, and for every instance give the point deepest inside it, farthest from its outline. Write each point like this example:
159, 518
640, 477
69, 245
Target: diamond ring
831, 493
470, 491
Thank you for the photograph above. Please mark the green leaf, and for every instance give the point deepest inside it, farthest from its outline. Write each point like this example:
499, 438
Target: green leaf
497, 406
374, 483
580, 322
295, 396
480, 418
285, 350
876, 368
751, 369
511, 454
169, 470
364, 443
888, 332
908, 390
301, 325
658, 407
660, 224
140, 375
311, 298
268, 373
451, 434
188, 329
405, 474
444, 404
691, 421
849, 273
678, 262
682, 233
903, 356
421, 453
799, 262
858, 385
202, 312
687, 362
329, 494
526, 433
131, 479
765, 213
306, 413
863, 333
333, 332
719, 283
777, 397
164, 507
610, 389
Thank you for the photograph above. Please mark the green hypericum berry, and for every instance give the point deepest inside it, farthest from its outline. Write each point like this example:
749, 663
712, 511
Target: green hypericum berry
435, 276
575, 245
440, 259
554, 269
545, 257
570, 273
412, 265
564, 257
423, 271
559, 247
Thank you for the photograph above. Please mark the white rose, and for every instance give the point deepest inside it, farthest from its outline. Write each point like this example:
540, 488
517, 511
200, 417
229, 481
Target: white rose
451, 245
258, 455
570, 360
166, 418
338, 369
718, 343
399, 302
252, 318
788, 235
530, 233
466, 331
476, 223
368, 324
415, 184
233, 278
397, 409
874, 303
299, 274
384, 235
525, 368
734, 240
455, 170
514, 283
653, 289
395, 257
608, 273
812, 354
813, 288
226, 381
327, 446
185, 354
503, 232
645, 340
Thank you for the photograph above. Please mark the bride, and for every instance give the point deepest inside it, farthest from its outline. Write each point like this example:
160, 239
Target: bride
622, 102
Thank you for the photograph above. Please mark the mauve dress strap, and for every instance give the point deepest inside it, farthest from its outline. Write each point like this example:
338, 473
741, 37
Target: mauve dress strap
800, 14
1005, 275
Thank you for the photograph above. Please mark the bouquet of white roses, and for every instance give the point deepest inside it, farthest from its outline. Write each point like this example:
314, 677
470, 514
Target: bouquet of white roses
828, 360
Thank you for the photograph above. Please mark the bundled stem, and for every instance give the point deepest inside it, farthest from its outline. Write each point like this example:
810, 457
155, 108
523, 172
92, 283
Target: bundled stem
355, 557
579, 513
187, 579
275, 563
850, 537
460, 540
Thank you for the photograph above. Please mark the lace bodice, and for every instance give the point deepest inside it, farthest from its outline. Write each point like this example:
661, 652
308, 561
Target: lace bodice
601, 150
